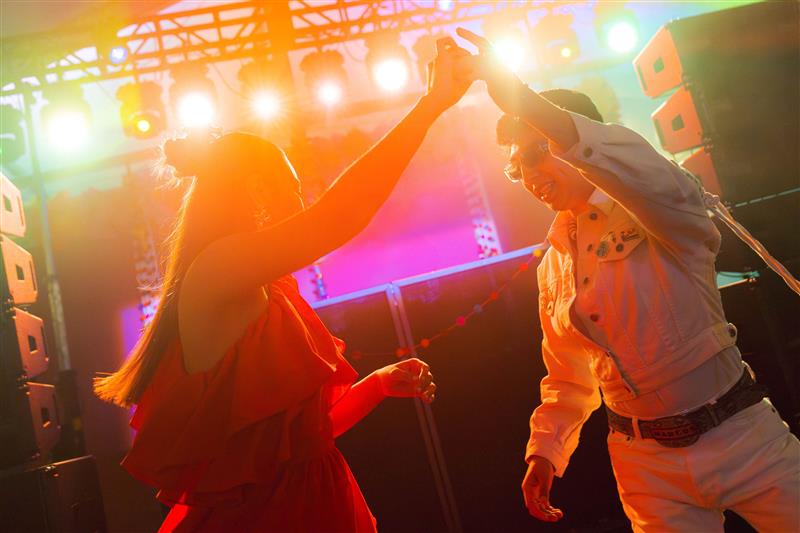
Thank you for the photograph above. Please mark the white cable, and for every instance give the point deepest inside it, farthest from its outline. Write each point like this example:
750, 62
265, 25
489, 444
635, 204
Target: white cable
714, 205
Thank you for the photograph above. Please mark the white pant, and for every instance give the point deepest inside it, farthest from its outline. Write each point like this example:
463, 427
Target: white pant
749, 464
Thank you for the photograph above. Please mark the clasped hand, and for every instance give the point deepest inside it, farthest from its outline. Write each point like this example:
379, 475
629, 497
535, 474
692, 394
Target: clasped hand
411, 378
454, 70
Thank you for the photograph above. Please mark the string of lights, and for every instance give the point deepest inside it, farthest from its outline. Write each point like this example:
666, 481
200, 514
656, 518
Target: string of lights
459, 322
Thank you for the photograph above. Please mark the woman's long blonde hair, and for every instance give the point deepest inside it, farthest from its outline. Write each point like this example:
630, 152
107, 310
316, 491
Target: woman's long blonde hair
209, 211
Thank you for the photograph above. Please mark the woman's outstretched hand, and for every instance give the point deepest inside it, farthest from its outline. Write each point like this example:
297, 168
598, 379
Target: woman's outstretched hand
411, 378
504, 86
449, 74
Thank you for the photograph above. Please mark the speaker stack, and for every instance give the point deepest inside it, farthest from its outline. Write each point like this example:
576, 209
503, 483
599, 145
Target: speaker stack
35, 493
732, 116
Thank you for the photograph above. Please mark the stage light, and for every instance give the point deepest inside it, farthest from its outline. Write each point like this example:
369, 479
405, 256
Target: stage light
12, 137
388, 61
391, 75
267, 87
617, 27
329, 93
66, 118
555, 40
622, 37
508, 41
118, 54
325, 76
142, 111
67, 130
510, 51
445, 5
266, 104
196, 110
193, 95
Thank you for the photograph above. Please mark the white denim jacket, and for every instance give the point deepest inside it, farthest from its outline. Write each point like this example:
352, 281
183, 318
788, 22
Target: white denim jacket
628, 299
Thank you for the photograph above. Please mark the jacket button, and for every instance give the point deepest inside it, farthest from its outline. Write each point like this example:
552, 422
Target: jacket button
590, 248
586, 280
587, 152
593, 216
594, 317
620, 247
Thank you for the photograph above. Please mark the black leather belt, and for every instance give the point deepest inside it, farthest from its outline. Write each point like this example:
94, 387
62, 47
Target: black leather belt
683, 430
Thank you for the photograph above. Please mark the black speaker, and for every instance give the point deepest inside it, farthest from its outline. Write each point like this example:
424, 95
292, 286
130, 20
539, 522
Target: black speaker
740, 75
59, 497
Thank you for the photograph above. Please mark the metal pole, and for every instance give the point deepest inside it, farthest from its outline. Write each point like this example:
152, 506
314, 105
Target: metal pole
53, 287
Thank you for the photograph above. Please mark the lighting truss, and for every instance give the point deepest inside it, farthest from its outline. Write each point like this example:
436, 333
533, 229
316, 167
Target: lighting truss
235, 30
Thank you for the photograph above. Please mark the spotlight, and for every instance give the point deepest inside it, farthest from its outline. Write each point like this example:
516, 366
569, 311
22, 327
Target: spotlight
66, 118
196, 110
510, 51
142, 111
193, 95
509, 42
617, 27
266, 105
12, 137
266, 86
622, 37
387, 61
391, 75
329, 93
555, 40
325, 76
445, 5
118, 54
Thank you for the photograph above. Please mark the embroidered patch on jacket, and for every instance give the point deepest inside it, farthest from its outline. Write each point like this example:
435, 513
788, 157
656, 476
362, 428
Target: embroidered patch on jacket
630, 234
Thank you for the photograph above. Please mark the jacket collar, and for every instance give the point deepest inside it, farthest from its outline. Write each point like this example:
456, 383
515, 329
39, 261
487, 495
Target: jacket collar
562, 231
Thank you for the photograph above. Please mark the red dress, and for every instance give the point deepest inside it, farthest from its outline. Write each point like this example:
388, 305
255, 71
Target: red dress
247, 445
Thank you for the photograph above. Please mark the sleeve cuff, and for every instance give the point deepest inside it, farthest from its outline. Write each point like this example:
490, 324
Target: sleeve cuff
590, 135
551, 453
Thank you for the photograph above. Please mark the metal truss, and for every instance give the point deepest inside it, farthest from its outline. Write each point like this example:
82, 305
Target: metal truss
236, 30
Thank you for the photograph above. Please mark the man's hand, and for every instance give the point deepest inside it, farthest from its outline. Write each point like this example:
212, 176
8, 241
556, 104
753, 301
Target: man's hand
536, 490
504, 86
448, 79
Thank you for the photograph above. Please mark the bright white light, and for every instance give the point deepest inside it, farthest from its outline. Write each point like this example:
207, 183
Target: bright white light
196, 110
118, 54
566, 52
143, 125
266, 105
622, 37
391, 74
445, 5
329, 93
510, 52
67, 130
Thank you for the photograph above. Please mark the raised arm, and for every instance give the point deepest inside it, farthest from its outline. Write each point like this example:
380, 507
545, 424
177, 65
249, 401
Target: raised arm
245, 261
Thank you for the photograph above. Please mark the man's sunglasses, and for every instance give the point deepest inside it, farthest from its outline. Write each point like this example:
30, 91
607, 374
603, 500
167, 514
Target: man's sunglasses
530, 156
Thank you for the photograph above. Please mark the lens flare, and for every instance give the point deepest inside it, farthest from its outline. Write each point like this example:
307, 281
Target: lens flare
67, 130
329, 93
196, 110
511, 52
391, 75
622, 37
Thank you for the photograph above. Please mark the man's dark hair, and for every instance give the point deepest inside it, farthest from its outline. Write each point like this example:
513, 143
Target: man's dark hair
509, 128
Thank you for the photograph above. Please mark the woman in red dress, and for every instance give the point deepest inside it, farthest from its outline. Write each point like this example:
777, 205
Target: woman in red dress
239, 388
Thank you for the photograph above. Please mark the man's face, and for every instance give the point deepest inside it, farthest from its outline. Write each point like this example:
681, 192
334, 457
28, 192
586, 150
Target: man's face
554, 182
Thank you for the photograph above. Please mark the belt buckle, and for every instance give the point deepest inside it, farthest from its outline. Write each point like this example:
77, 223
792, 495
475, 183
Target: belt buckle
674, 431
